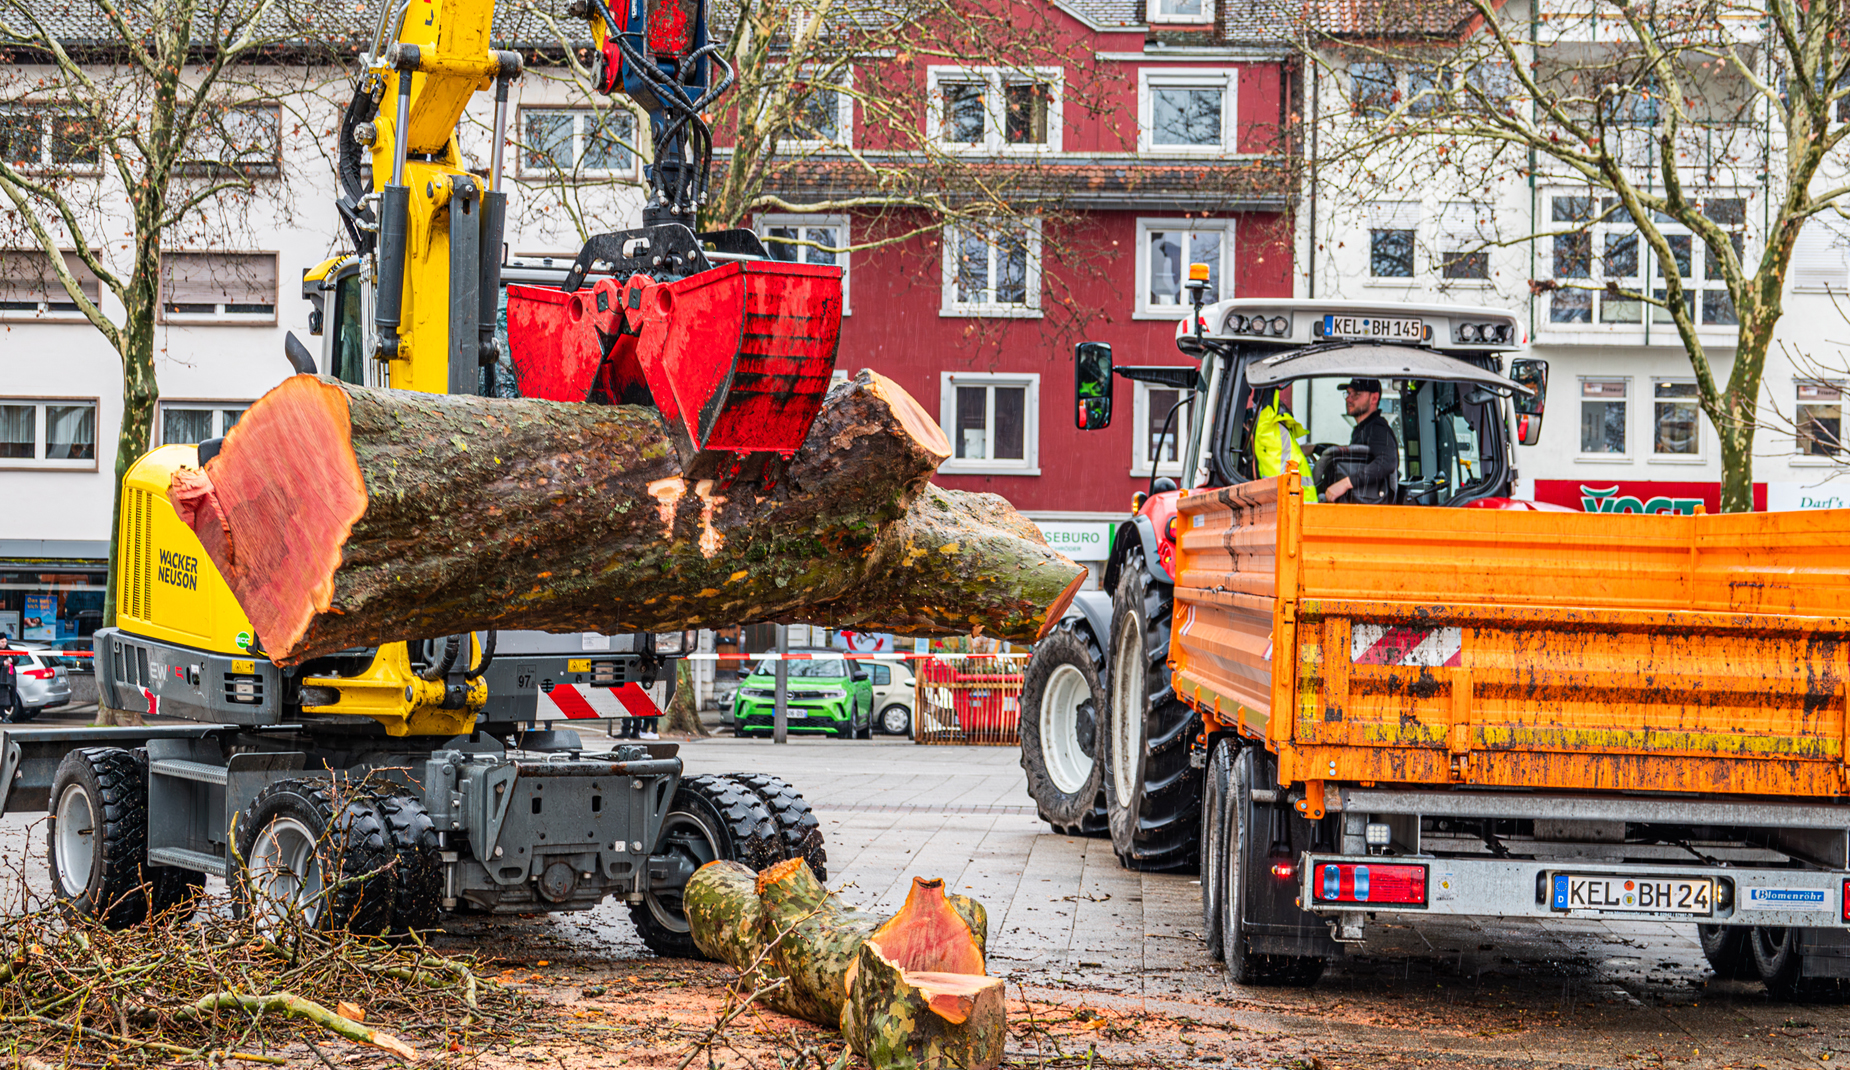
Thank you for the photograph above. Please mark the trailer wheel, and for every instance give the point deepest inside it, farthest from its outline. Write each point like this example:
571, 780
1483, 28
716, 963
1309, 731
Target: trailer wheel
1214, 814
1152, 793
1246, 849
710, 819
797, 828
1060, 702
418, 892
1781, 964
1726, 948
306, 853
97, 838
174, 890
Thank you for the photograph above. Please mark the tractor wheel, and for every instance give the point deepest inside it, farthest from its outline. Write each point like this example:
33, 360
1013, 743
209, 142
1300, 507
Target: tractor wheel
797, 828
1060, 700
97, 838
1152, 793
1244, 834
1726, 948
317, 856
710, 819
1781, 964
418, 897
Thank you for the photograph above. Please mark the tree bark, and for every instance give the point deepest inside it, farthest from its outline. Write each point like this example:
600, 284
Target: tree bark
683, 712
344, 516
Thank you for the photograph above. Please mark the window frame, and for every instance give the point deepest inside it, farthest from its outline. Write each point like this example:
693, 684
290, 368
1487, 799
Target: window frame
1030, 464
844, 119
45, 111
1409, 216
1448, 240
268, 168
763, 221
995, 109
576, 173
1801, 456
215, 405
1227, 78
1141, 308
1580, 398
1141, 415
45, 313
1701, 455
950, 306
220, 318
1153, 13
42, 427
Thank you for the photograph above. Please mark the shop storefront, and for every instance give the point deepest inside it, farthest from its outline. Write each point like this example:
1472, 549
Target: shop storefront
51, 591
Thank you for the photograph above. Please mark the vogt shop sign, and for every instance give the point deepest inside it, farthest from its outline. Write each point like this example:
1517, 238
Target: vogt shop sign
1078, 539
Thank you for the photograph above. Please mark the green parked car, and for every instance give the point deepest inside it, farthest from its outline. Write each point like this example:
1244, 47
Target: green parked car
829, 694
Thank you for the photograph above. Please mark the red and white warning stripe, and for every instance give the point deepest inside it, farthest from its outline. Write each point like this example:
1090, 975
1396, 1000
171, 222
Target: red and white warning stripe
940, 655
582, 702
1384, 644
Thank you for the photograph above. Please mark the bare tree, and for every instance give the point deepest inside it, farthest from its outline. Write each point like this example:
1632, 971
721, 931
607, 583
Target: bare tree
138, 121
1663, 111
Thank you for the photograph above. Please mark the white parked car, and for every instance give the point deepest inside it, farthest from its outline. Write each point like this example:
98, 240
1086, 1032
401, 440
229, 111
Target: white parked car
43, 681
893, 686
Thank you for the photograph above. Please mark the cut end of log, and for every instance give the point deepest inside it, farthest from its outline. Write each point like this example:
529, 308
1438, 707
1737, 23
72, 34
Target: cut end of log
1058, 609
286, 492
951, 996
777, 874
928, 935
911, 415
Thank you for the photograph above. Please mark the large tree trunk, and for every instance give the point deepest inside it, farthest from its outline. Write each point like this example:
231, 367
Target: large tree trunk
344, 516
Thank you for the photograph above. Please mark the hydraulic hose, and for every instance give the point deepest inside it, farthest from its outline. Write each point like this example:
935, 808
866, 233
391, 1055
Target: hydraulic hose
488, 657
440, 668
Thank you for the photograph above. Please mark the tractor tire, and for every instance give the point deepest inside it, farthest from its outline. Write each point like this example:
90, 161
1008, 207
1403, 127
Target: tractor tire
1726, 948
298, 837
1245, 850
97, 837
797, 828
1152, 792
418, 897
1776, 955
710, 819
1060, 701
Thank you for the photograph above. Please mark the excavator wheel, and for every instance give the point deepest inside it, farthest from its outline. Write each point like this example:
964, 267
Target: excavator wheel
419, 891
1152, 793
318, 853
711, 818
1061, 702
797, 828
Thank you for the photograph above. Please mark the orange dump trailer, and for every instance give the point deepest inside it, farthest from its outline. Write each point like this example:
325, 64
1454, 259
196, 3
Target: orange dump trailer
1521, 714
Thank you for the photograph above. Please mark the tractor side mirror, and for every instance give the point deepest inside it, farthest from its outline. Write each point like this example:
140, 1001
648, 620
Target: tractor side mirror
1092, 385
1534, 375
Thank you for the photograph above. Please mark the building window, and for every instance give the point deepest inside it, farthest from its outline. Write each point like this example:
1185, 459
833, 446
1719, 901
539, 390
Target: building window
1196, 12
1464, 229
564, 143
994, 420
51, 434
201, 288
188, 422
1676, 420
992, 271
1821, 256
1606, 256
29, 287
991, 109
1155, 452
1819, 418
1372, 88
823, 112
1185, 112
808, 239
1165, 249
246, 139
1393, 227
1602, 416
48, 137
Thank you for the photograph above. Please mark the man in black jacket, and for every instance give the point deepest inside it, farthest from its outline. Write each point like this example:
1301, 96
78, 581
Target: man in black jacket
1376, 480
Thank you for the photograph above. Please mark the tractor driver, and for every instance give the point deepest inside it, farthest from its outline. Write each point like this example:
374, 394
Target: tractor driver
1373, 482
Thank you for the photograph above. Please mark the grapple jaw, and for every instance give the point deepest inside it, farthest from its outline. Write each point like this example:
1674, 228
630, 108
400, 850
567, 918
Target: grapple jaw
737, 357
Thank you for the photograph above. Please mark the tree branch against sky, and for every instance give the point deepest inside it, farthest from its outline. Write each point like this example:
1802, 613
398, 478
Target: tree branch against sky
1677, 116
149, 120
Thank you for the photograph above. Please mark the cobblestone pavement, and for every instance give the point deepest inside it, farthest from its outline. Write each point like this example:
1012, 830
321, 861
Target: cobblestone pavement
1069, 926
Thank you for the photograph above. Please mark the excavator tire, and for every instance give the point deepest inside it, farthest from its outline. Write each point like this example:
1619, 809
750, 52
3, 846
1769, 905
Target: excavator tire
1061, 699
419, 888
711, 819
797, 828
1152, 792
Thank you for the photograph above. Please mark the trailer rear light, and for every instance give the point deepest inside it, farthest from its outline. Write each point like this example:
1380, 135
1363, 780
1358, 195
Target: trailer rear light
1284, 870
1847, 899
1343, 882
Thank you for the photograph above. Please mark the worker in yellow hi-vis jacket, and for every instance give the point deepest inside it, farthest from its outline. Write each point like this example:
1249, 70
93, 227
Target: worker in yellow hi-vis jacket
1275, 441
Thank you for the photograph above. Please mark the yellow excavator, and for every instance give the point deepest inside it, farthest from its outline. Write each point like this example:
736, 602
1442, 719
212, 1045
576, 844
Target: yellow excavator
419, 768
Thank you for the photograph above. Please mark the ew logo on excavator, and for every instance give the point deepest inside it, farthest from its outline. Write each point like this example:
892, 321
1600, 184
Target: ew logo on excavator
1610, 501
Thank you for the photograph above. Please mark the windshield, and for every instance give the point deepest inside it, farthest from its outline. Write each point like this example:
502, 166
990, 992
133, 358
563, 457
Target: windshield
828, 667
1439, 431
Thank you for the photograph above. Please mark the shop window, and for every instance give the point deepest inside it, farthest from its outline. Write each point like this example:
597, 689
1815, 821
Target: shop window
1819, 418
1602, 416
1676, 420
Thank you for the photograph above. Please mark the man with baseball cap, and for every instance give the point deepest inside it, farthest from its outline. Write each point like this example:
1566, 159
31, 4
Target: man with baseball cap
1374, 481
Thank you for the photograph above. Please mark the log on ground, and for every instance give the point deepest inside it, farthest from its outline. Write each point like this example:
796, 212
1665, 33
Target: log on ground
344, 516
